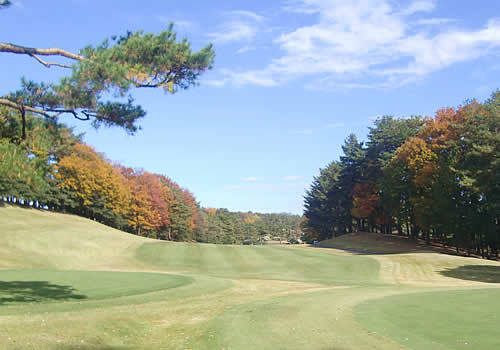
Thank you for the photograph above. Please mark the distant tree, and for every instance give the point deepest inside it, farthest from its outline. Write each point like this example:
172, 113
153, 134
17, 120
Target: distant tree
139, 59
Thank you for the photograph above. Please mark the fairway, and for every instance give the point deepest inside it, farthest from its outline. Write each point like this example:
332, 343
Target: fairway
70, 283
470, 315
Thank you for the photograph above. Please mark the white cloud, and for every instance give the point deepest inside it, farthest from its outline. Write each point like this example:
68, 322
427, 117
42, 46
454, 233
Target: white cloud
234, 31
419, 6
368, 44
240, 26
245, 49
214, 82
248, 14
259, 78
252, 179
434, 21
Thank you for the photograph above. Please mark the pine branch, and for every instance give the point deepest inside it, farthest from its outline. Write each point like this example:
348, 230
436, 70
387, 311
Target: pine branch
20, 107
46, 112
34, 52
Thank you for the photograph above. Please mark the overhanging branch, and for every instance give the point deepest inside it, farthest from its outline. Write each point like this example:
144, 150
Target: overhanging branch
48, 64
45, 112
35, 52
20, 107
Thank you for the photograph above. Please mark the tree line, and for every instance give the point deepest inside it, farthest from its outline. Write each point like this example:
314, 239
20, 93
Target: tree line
52, 168
42, 164
223, 226
435, 178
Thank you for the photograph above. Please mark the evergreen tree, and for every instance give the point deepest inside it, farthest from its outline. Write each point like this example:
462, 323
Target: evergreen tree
133, 60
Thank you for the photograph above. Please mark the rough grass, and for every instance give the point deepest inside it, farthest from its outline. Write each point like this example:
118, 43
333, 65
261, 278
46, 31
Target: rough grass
70, 283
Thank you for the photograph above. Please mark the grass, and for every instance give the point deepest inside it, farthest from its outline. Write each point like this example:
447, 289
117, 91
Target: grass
21, 286
70, 283
259, 262
469, 316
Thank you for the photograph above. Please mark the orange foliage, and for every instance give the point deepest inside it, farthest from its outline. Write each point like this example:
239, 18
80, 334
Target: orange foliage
93, 180
151, 201
365, 200
419, 158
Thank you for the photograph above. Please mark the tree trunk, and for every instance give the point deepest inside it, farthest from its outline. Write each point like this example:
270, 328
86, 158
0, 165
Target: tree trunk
23, 117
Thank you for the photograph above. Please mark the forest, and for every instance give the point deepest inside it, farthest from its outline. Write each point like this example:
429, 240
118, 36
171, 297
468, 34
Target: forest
433, 178
51, 168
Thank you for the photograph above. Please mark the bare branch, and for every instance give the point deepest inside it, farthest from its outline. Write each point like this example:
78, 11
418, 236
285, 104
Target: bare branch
48, 64
33, 52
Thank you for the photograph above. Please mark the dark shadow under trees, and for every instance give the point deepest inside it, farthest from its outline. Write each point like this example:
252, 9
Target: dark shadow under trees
35, 292
478, 273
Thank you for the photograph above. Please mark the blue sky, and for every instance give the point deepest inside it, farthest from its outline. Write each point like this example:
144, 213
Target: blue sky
291, 80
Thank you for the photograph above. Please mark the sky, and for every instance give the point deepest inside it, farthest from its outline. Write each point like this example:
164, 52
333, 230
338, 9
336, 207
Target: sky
291, 80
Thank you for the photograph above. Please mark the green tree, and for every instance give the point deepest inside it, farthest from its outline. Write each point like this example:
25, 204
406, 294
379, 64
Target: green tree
179, 228
117, 65
323, 208
351, 174
384, 138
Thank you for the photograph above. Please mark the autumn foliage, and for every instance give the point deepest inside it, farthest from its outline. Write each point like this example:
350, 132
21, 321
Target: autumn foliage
435, 178
53, 169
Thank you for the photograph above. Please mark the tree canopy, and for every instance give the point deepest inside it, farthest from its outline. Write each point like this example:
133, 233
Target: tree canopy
114, 67
433, 178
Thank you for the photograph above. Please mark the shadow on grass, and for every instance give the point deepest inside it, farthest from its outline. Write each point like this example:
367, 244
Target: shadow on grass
382, 251
35, 291
478, 273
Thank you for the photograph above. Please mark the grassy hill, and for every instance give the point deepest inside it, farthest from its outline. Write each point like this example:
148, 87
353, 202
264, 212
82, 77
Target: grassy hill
368, 242
71, 283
